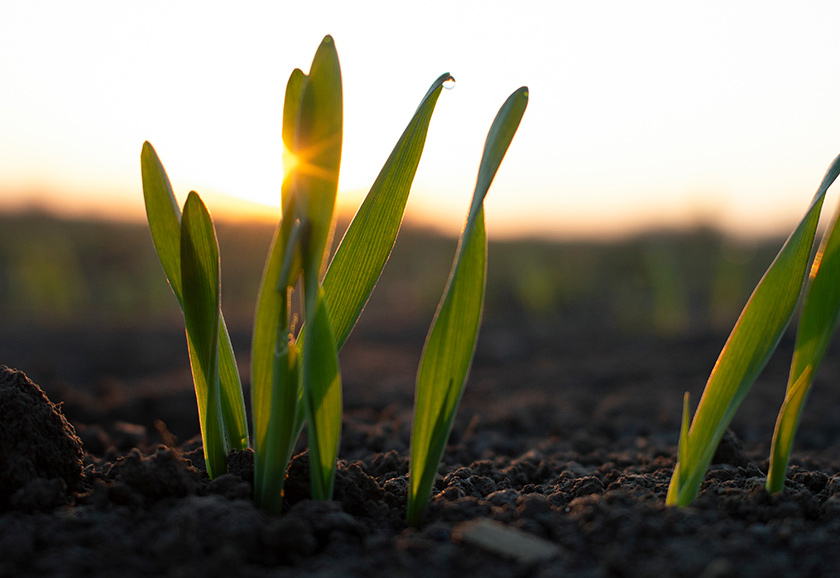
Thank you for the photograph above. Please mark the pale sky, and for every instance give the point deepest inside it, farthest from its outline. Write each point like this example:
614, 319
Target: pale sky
641, 113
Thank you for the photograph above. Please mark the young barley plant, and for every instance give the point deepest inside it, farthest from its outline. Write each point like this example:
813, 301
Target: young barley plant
312, 138
295, 377
188, 252
817, 323
452, 338
285, 390
753, 339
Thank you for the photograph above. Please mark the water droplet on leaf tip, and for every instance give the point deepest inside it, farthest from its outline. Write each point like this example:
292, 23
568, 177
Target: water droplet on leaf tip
449, 83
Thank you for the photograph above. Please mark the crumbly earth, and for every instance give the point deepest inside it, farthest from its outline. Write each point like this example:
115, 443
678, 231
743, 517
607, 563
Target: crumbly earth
565, 439
40, 455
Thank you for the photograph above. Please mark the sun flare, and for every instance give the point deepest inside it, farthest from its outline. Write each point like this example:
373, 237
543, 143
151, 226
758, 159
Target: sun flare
290, 162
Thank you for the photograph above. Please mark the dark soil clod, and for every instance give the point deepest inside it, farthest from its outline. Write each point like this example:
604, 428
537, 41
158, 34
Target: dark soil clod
36, 443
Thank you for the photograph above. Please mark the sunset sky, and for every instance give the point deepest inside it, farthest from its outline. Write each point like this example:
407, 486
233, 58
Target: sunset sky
641, 113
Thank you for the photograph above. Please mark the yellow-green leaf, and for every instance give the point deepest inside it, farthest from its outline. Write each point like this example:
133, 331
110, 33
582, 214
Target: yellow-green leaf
752, 341
200, 285
164, 218
817, 324
316, 152
367, 244
450, 344
322, 400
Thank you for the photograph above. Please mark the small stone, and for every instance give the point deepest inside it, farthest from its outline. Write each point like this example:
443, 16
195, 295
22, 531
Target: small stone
505, 541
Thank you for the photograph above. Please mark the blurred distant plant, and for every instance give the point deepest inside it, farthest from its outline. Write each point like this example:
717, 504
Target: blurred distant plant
751, 343
295, 377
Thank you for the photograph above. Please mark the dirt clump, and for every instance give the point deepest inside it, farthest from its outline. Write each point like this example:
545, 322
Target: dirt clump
40, 454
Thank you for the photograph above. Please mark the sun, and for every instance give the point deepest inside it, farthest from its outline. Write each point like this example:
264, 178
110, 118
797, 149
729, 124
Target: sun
232, 192
291, 162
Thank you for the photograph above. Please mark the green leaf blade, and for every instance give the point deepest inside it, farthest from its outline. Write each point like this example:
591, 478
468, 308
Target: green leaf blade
322, 400
277, 441
164, 219
367, 244
317, 152
785, 430
232, 398
291, 106
445, 364
498, 141
450, 344
275, 387
163, 215
200, 284
312, 137
817, 324
753, 339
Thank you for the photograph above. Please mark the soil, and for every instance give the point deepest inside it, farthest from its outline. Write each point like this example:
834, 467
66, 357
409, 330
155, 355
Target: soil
558, 463
558, 466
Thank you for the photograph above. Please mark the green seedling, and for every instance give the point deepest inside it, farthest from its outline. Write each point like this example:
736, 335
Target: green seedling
295, 377
221, 405
312, 136
285, 390
750, 345
450, 344
817, 323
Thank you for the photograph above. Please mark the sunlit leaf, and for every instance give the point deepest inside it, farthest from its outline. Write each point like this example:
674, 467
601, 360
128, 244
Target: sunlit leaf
164, 218
450, 344
317, 149
312, 125
367, 244
786, 425
322, 400
348, 283
200, 285
817, 324
752, 341
317, 153
681, 471
274, 377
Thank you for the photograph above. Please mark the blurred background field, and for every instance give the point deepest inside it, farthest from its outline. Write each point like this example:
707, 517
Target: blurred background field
57, 272
61, 275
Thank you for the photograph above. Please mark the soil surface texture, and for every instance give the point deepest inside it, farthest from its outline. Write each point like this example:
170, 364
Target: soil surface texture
558, 466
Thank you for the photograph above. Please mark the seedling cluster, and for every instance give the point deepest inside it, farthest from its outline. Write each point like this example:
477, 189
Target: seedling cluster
295, 376
753, 340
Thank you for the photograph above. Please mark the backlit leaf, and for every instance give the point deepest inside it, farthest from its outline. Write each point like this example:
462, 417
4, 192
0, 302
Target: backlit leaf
275, 384
752, 341
817, 323
200, 285
164, 218
322, 400
367, 244
450, 344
